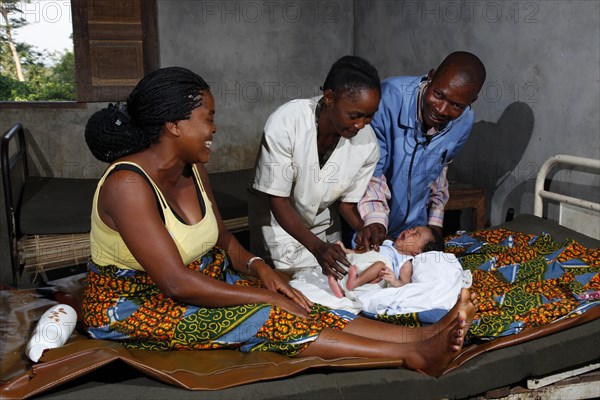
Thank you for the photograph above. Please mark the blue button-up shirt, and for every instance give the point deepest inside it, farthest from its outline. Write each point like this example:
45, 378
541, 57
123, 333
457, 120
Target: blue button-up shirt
398, 131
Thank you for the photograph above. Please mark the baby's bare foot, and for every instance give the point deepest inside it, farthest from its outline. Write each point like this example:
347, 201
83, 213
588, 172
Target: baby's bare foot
335, 287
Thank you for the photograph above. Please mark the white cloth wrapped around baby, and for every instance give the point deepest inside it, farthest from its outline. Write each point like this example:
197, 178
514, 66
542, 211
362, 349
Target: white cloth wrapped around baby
437, 280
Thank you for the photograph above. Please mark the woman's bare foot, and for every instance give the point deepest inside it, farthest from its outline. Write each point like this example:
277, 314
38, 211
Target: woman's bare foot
352, 275
467, 302
433, 355
335, 287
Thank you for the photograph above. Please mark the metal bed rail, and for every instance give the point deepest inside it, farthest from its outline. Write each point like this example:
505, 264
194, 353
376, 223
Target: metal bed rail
541, 194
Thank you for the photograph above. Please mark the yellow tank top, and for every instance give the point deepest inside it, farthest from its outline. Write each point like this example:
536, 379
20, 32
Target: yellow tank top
193, 241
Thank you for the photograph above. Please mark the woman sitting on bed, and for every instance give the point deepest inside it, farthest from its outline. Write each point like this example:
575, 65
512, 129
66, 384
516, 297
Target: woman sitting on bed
166, 274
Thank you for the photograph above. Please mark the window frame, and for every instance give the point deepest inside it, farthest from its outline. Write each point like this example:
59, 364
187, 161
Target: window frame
83, 59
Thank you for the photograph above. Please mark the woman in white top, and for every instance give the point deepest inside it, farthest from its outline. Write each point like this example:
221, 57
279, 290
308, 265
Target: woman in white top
315, 161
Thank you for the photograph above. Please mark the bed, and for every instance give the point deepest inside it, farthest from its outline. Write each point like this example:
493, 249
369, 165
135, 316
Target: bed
85, 368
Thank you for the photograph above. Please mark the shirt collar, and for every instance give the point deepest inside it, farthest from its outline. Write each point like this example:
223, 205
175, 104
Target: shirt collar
407, 116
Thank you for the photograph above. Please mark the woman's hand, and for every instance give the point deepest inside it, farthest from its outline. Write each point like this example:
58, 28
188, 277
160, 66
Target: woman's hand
330, 256
290, 306
276, 283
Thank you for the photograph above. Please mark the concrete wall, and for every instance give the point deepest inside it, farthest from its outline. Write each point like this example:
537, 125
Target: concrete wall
542, 92
55, 140
543, 79
256, 56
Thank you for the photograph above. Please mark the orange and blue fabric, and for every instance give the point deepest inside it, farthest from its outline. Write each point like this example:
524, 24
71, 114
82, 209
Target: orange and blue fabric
522, 281
126, 306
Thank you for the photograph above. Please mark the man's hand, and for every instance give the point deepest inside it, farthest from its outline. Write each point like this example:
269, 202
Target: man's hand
370, 236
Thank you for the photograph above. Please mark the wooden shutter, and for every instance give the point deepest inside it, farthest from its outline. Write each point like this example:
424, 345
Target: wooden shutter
116, 44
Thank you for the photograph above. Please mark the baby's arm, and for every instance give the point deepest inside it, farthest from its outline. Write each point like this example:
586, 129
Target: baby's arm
371, 274
406, 271
388, 275
405, 275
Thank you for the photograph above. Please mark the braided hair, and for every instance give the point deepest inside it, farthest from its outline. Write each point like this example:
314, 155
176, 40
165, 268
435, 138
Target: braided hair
165, 95
352, 74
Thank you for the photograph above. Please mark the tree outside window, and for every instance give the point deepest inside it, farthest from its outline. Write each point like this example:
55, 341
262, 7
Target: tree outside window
26, 72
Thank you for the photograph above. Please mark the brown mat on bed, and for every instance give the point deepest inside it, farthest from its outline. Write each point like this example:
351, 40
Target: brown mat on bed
193, 370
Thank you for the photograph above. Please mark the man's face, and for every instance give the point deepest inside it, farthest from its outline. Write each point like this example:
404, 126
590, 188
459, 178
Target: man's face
446, 97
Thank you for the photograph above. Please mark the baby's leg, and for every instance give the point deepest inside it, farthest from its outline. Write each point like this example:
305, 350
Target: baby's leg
369, 275
335, 287
352, 277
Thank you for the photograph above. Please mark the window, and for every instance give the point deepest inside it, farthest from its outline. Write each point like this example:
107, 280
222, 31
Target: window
116, 44
36, 51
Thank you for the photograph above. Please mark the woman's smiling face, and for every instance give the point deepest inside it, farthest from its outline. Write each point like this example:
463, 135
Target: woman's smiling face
197, 132
352, 110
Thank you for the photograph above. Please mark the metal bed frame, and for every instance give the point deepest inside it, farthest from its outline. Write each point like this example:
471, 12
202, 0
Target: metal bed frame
541, 193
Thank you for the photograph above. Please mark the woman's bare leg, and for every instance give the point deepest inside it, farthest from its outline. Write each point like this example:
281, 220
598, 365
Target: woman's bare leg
431, 356
467, 301
377, 330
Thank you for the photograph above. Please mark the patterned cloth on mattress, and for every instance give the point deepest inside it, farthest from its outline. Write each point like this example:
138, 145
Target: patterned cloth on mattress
126, 306
522, 280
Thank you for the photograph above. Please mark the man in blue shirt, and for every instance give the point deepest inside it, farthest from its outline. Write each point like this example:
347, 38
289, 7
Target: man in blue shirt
421, 124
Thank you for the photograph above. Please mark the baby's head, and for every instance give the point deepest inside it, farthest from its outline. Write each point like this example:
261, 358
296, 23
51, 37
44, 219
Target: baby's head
418, 240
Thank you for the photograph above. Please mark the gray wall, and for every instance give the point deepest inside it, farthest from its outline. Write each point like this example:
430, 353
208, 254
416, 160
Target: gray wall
543, 84
55, 140
255, 56
542, 92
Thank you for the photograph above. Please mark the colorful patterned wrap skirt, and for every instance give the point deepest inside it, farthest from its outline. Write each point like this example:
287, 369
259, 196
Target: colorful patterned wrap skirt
126, 306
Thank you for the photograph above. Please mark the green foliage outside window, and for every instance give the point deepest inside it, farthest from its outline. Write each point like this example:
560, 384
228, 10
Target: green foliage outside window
27, 74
